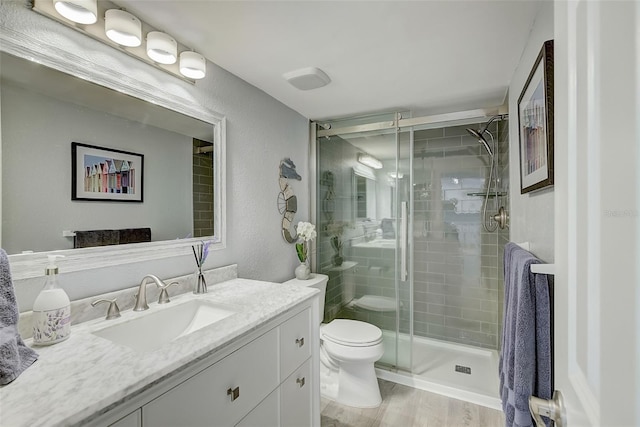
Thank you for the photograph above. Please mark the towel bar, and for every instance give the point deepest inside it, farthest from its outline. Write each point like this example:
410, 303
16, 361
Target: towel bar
538, 268
543, 268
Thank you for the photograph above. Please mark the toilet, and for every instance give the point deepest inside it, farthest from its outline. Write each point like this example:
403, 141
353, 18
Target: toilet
348, 351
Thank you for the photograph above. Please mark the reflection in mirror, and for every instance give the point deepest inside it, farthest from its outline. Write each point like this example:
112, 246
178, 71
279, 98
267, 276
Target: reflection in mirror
364, 191
44, 111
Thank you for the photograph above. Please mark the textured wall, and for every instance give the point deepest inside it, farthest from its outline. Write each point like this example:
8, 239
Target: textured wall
260, 132
531, 215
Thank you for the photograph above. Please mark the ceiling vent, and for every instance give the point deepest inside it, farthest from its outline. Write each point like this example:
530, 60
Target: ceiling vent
307, 78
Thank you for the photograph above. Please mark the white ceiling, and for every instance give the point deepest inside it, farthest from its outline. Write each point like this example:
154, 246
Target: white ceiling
424, 56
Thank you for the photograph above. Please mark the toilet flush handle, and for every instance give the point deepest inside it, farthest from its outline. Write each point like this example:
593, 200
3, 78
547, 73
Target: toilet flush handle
300, 342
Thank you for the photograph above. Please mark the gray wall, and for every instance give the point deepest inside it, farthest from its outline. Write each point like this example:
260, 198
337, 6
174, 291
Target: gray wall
37, 133
260, 132
531, 216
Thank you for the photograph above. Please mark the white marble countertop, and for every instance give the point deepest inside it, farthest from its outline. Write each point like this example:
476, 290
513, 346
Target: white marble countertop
75, 379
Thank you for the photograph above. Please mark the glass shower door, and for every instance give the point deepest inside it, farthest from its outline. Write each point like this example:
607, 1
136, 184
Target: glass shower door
361, 192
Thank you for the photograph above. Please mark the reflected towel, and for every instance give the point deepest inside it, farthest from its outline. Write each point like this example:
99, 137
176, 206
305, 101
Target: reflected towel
15, 356
525, 356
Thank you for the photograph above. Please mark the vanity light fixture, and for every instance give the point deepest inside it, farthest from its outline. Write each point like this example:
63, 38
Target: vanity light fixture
123, 28
161, 47
80, 11
369, 160
108, 23
192, 65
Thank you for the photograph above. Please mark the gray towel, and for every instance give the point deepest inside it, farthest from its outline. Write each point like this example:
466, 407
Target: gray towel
15, 356
525, 356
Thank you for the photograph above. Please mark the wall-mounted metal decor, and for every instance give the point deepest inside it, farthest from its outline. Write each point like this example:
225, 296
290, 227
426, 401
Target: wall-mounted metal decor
287, 201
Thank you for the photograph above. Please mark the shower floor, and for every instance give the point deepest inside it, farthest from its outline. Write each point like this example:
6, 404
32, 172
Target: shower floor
434, 369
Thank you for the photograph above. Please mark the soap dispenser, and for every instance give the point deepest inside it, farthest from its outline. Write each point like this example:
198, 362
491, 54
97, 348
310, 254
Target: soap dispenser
51, 310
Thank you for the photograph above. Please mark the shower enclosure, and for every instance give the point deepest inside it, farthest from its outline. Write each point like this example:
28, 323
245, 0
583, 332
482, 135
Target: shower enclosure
399, 210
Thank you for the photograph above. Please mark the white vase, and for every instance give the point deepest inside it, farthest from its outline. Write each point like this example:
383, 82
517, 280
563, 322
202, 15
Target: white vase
302, 271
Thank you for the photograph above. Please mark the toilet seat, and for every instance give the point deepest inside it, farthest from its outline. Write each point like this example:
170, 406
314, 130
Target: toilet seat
352, 333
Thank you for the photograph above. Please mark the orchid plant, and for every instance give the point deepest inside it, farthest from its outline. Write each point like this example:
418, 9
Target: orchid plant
306, 233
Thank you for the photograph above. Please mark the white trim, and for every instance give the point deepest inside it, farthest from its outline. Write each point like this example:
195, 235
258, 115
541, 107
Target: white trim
585, 394
25, 266
594, 187
416, 381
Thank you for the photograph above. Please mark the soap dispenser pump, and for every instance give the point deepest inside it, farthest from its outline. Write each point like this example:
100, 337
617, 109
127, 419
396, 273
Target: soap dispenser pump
51, 309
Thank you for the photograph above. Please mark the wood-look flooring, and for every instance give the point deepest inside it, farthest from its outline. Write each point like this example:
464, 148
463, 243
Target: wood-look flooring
404, 406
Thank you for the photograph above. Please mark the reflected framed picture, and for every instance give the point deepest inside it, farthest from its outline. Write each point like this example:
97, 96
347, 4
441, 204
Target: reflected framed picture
105, 174
535, 124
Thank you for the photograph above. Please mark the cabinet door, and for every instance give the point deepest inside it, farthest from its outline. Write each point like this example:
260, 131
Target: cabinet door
132, 420
266, 414
295, 346
295, 398
223, 393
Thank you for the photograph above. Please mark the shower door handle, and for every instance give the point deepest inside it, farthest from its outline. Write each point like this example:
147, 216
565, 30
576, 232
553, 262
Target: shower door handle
404, 231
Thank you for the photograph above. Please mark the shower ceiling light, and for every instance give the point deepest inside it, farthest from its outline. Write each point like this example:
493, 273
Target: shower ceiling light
394, 175
370, 161
161, 47
192, 65
80, 11
123, 28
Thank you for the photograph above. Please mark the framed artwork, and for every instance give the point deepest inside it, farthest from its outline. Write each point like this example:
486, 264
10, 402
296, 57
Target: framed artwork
105, 174
535, 124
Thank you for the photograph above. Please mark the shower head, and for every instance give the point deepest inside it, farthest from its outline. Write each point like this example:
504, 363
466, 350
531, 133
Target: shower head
480, 138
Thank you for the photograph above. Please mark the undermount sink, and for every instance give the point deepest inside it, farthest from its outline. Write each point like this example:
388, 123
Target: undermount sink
161, 325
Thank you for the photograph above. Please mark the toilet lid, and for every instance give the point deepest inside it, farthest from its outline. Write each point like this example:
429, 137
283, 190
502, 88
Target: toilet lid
352, 333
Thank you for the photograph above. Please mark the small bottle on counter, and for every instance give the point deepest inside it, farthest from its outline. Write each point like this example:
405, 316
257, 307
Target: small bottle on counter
51, 309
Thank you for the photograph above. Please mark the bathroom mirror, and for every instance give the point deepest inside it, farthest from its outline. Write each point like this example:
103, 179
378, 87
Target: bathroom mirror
364, 194
51, 99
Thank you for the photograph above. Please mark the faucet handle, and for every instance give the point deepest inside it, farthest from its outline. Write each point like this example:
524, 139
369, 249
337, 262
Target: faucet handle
164, 295
113, 312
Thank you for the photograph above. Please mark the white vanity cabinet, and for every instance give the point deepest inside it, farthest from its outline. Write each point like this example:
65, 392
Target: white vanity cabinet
134, 419
267, 381
223, 393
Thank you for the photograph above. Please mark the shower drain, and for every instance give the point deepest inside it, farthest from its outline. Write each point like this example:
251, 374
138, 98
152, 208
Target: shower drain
463, 369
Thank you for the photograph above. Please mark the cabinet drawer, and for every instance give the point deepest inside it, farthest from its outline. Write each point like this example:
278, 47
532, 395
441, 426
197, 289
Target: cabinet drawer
207, 398
295, 398
266, 414
295, 345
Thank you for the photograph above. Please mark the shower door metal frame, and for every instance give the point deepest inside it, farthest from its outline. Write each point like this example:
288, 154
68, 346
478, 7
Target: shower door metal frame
317, 130
451, 119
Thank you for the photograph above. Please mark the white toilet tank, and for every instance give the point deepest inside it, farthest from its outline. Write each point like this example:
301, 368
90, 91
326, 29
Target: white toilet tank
317, 281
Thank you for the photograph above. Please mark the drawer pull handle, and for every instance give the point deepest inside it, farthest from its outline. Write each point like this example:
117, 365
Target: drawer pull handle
234, 393
300, 381
300, 342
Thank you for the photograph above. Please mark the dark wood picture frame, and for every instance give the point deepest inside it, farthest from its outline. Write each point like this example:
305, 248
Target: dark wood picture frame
535, 124
106, 174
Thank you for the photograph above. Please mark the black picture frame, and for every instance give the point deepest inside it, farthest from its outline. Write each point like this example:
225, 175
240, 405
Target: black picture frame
535, 124
106, 174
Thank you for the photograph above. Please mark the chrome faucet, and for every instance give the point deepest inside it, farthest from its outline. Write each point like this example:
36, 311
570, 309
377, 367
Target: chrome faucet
141, 296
